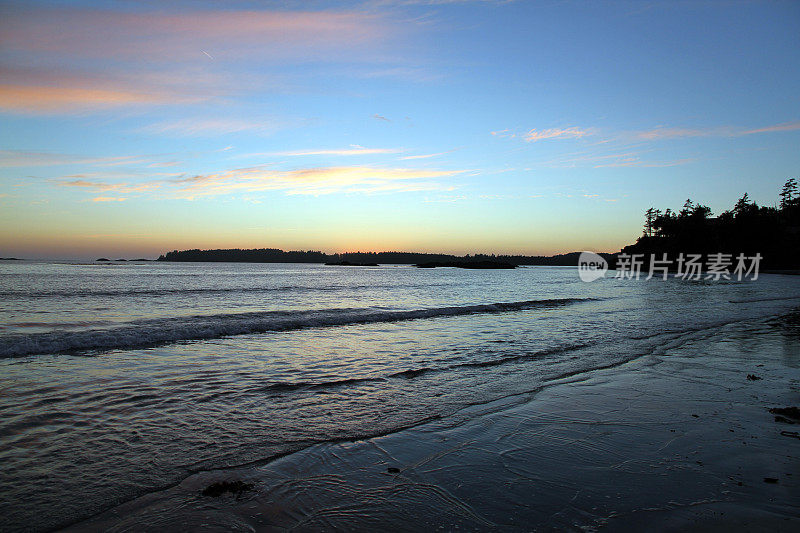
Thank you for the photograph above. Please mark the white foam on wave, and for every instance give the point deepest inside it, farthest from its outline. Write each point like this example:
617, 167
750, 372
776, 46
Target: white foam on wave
168, 330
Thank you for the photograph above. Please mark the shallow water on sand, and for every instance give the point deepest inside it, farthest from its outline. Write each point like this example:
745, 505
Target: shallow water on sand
121, 380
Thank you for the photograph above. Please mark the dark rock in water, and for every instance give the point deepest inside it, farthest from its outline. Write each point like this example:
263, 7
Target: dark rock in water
393, 470
791, 434
10, 259
783, 420
770, 480
791, 412
467, 264
215, 490
349, 264
121, 259
752, 377
103, 259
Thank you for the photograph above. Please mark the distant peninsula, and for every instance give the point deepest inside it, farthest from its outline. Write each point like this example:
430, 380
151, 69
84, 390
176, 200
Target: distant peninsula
424, 260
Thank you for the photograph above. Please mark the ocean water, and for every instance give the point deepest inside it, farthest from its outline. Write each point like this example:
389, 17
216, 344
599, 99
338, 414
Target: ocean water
122, 379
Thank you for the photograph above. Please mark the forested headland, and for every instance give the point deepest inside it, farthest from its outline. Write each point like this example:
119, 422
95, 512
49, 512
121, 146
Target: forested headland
747, 228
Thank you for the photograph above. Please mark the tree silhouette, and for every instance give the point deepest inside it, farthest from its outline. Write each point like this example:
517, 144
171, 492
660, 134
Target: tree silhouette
688, 207
649, 218
742, 206
746, 228
788, 193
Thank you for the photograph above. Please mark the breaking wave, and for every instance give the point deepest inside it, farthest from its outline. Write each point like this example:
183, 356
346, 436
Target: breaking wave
154, 332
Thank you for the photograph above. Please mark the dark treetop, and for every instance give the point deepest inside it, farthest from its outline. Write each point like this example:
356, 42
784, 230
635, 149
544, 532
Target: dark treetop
747, 228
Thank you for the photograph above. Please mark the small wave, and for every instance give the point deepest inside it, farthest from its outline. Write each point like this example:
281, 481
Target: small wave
139, 292
520, 357
412, 373
89, 293
281, 387
155, 332
755, 300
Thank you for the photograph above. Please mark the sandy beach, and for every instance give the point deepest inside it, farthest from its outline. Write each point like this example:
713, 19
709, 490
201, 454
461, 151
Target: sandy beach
678, 439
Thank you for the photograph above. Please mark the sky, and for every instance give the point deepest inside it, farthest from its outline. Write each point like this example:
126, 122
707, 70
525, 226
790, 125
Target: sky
128, 129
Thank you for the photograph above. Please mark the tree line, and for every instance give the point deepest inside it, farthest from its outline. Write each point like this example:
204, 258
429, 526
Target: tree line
749, 228
274, 255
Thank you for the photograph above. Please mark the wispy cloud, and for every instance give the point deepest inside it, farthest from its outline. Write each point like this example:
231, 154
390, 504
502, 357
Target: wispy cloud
380, 117
636, 162
504, 133
244, 182
106, 186
44, 99
23, 158
344, 152
660, 133
535, 135
663, 132
108, 199
557, 133
787, 126
65, 60
200, 127
595, 159
312, 181
426, 156
158, 36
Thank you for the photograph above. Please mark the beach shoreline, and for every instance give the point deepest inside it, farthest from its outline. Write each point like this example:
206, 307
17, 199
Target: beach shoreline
678, 439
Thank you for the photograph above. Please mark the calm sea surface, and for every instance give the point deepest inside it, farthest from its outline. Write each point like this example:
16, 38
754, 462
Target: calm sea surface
119, 380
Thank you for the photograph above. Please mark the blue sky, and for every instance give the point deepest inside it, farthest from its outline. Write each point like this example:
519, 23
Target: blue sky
457, 126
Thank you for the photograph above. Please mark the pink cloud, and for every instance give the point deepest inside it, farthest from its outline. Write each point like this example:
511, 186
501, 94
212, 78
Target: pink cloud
159, 36
46, 99
672, 133
106, 186
304, 181
789, 126
312, 181
97, 59
724, 131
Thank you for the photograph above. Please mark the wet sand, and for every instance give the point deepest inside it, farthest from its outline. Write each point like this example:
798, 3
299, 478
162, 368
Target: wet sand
676, 440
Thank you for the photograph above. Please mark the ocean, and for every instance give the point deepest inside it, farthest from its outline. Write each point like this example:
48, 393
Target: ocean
122, 379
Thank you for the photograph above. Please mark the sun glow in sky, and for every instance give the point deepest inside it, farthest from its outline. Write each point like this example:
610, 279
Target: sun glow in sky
131, 129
